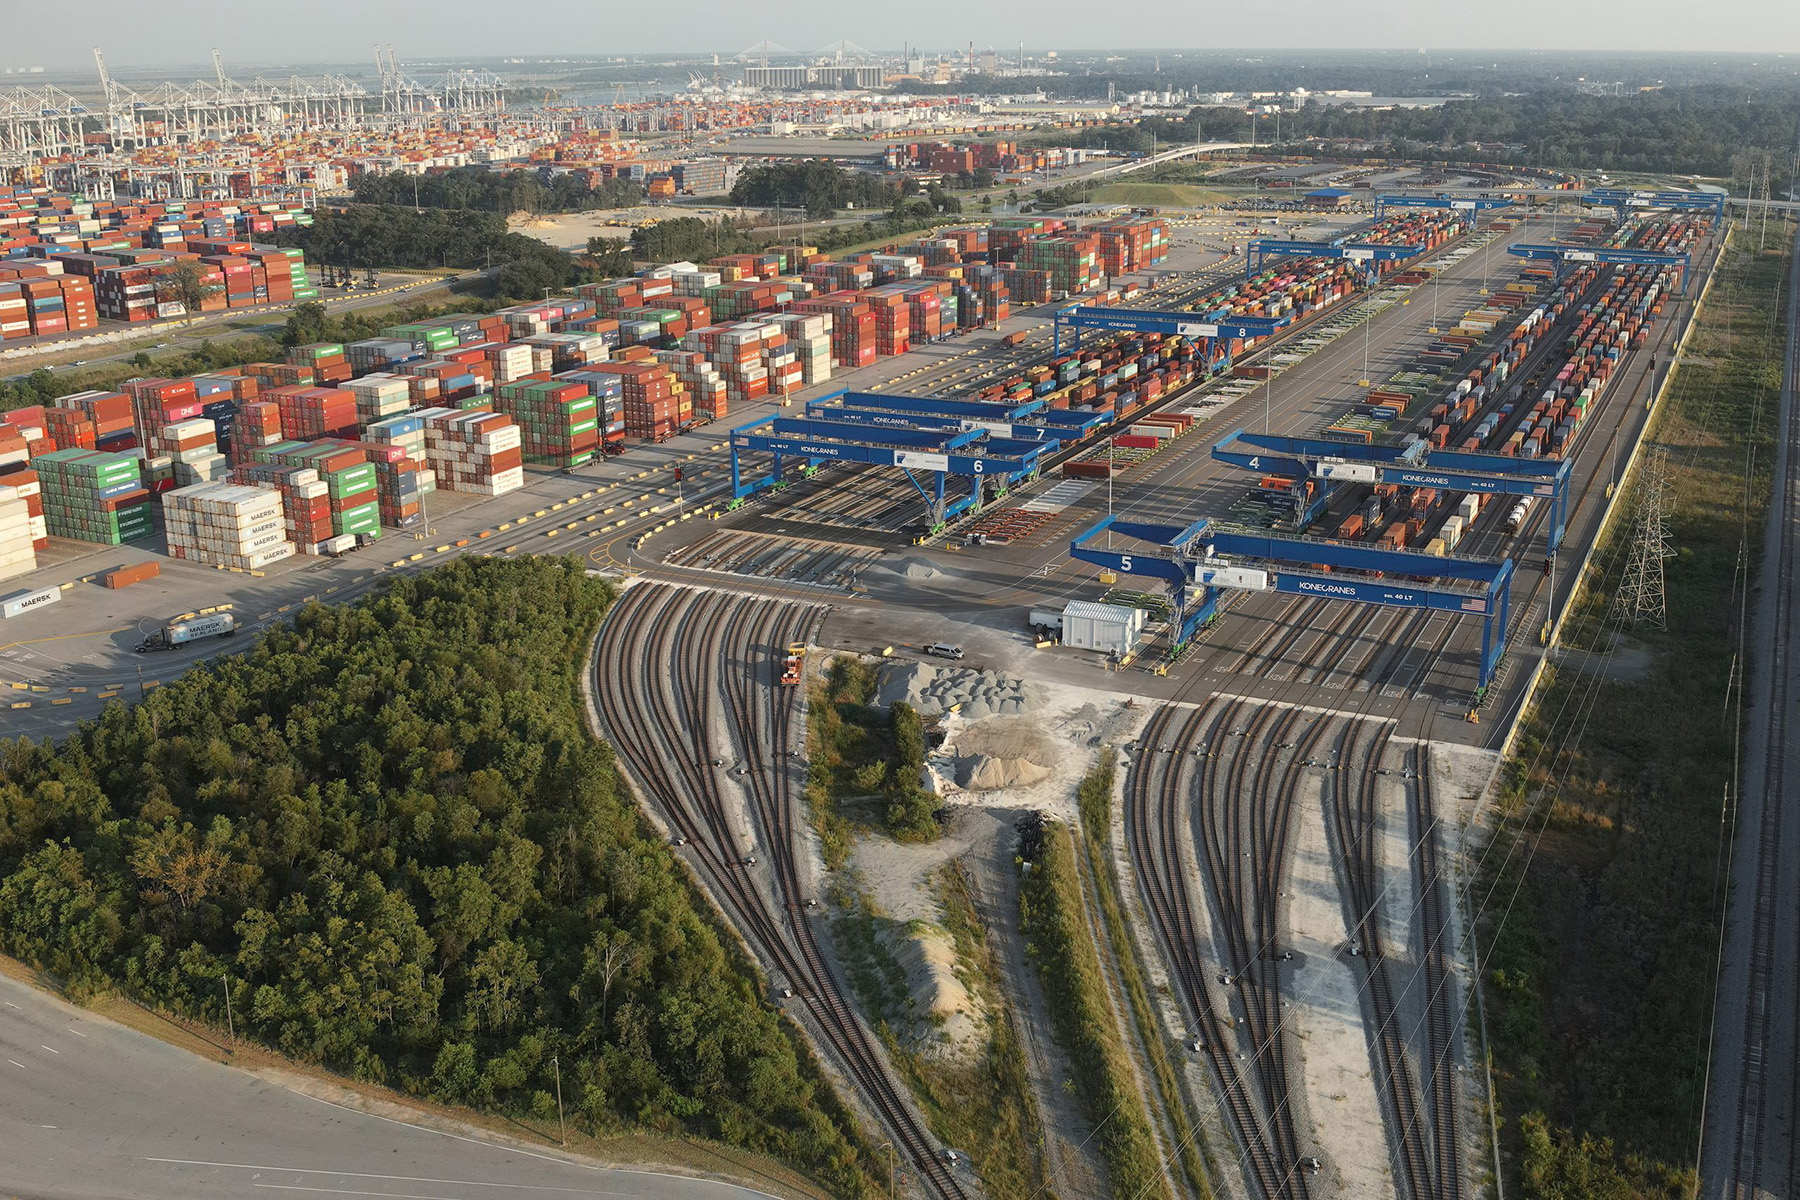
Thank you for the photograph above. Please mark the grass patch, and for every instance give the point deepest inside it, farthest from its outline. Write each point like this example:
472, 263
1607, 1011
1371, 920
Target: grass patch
1095, 796
1162, 195
1600, 978
1060, 944
865, 765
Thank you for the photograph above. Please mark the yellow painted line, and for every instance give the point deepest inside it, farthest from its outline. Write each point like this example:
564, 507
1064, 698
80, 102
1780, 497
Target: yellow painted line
107, 695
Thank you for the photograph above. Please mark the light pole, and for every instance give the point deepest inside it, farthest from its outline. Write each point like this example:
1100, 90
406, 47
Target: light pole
1364, 381
230, 1025
1268, 395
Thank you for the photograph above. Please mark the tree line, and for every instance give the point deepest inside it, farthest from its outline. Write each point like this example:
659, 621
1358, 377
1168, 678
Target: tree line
502, 192
391, 236
821, 188
386, 833
1701, 130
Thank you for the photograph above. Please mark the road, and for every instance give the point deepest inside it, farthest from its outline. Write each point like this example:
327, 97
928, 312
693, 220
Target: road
181, 336
1749, 1149
90, 1110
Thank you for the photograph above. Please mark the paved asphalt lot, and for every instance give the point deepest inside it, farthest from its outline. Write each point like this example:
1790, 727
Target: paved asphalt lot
90, 1110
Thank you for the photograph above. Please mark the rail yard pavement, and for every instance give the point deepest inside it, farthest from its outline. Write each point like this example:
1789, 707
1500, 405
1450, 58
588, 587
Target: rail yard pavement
92, 1111
1750, 1148
1328, 1023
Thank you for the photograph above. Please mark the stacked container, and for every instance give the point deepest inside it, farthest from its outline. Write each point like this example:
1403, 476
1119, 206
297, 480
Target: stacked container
305, 502
92, 496
159, 402
327, 360
192, 448
314, 412
557, 419
226, 524
474, 452
17, 555
24, 481
379, 397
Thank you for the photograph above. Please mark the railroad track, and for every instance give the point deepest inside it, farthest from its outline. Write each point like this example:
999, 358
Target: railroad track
1441, 1005
666, 659
1753, 1163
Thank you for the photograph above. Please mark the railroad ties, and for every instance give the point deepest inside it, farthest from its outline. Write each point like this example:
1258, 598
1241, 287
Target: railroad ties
684, 685
1213, 800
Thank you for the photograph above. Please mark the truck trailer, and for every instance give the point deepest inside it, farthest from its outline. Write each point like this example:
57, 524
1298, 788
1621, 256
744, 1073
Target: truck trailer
179, 633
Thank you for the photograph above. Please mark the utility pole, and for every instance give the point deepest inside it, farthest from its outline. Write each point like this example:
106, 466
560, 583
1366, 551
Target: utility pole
562, 1127
1641, 600
230, 1025
889, 1147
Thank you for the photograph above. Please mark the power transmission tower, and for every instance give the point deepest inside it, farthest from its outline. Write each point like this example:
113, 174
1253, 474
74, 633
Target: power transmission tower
1640, 600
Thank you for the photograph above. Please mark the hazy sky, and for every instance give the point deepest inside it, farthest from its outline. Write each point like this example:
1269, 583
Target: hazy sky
155, 32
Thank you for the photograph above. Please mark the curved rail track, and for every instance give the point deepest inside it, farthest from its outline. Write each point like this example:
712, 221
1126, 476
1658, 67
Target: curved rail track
684, 684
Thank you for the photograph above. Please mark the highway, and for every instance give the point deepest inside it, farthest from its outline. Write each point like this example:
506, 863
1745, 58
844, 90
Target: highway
91, 1110
1750, 1148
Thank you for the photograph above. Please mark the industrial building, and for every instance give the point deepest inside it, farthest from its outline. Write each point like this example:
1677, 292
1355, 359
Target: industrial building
831, 75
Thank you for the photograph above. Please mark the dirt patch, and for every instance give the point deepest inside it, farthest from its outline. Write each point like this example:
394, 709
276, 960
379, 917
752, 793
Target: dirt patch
1626, 662
1003, 752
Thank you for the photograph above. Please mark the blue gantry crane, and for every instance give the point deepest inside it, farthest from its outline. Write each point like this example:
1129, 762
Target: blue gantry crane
1469, 204
1366, 253
1199, 327
1214, 558
1626, 198
974, 453
1562, 256
1413, 465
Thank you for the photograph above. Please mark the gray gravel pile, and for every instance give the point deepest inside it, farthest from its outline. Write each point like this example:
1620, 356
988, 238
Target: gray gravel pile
934, 690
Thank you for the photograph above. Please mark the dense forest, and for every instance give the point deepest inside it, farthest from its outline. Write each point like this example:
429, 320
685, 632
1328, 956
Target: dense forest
821, 188
393, 236
502, 192
1699, 131
690, 239
386, 831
